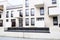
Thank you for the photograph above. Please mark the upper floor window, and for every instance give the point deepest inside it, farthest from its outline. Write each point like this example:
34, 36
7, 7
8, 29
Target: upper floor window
27, 12
7, 14
26, 3
32, 12
53, 1
55, 20
20, 13
27, 21
42, 11
32, 21
11, 13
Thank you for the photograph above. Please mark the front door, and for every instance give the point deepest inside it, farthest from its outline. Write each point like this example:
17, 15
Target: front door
13, 22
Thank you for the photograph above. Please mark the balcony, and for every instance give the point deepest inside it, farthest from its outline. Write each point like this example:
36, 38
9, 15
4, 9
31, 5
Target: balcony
54, 11
39, 3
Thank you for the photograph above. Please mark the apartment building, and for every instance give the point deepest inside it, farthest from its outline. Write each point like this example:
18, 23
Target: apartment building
32, 19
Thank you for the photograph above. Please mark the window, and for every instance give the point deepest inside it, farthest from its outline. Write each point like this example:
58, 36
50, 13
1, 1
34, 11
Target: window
32, 12
7, 14
32, 21
1, 23
0, 15
53, 1
55, 21
6, 20
20, 22
13, 22
11, 13
26, 3
40, 19
27, 12
42, 11
20, 13
27, 21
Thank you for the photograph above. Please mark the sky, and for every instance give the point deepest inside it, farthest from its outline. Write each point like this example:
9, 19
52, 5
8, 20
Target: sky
15, 2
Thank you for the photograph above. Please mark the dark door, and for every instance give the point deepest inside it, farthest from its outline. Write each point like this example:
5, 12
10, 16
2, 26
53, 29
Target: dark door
13, 23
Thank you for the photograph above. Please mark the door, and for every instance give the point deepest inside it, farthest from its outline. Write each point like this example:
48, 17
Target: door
13, 22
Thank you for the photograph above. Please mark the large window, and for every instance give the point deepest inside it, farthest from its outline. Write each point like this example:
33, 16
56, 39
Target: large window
20, 13
53, 1
32, 12
32, 21
42, 11
55, 21
27, 12
7, 14
26, 3
27, 21
1, 23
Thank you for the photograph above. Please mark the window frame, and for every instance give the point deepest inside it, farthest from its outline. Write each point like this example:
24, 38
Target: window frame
41, 10
32, 12
32, 21
27, 21
53, 1
55, 21
26, 12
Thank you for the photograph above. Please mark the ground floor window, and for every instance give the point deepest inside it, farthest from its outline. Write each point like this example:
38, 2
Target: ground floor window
1, 23
20, 22
27, 21
32, 21
55, 20
13, 22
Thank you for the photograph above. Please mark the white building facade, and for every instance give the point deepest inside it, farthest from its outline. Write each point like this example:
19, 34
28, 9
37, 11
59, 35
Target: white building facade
32, 19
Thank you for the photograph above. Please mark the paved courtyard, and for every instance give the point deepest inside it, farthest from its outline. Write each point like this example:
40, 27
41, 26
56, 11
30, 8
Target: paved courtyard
11, 38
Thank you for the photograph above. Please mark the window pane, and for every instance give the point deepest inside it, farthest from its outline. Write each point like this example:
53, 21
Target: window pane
11, 13
27, 12
53, 1
32, 21
40, 19
0, 15
26, 3
6, 20
55, 21
41, 11
1, 22
32, 12
7, 14
20, 13
27, 21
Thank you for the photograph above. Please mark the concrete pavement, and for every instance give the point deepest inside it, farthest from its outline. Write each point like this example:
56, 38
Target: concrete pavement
11, 38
